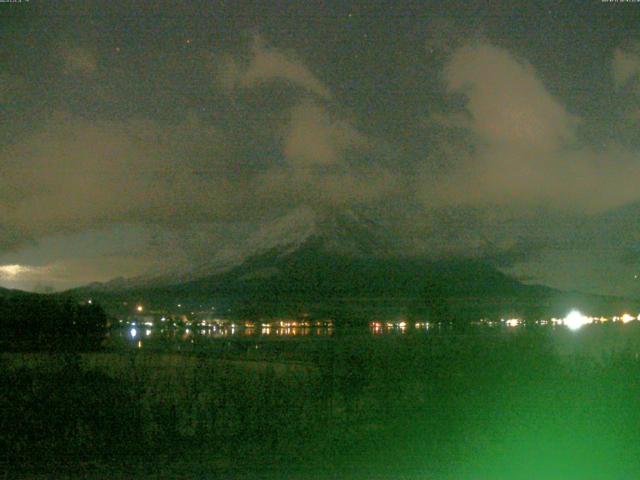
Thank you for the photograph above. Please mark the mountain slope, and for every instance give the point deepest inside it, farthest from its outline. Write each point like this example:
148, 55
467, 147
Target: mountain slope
308, 260
325, 255
310, 271
347, 234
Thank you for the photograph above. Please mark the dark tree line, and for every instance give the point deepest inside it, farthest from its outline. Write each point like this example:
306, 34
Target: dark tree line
46, 322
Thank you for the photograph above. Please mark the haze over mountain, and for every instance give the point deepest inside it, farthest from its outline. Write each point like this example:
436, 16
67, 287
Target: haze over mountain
348, 233
326, 260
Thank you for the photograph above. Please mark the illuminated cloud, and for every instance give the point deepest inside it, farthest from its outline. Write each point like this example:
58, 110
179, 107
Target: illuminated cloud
626, 76
314, 138
626, 65
11, 271
267, 64
507, 101
21, 276
522, 147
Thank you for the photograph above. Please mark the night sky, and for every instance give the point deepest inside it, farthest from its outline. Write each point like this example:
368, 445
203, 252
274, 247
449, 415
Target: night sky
142, 136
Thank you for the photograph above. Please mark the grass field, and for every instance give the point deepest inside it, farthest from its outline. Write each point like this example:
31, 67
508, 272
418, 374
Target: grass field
527, 404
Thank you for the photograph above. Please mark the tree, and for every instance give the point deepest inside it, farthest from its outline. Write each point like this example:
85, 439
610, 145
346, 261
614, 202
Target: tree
46, 322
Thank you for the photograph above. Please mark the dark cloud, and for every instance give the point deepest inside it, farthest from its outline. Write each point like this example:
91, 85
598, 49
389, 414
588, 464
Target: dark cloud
78, 60
73, 174
11, 237
190, 131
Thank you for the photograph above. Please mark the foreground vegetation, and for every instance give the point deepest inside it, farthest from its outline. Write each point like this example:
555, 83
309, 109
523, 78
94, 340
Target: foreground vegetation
35, 322
476, 406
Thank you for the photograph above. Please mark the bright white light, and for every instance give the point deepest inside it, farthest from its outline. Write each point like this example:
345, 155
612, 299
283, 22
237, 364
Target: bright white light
133, 332
574, 320
626, 318
11, 271
147, 332
513, 322
139, 308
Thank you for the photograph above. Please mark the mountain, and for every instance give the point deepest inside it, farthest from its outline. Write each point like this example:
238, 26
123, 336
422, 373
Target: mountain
331, 263
323, 244
11, 293
346, 233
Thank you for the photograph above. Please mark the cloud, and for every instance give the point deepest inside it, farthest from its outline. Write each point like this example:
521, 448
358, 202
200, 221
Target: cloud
626, 65
78, 175
68, 273
314, 138
574, 180
523, 149
78, 172
78, 60
73, 174
329, 161
508, 102
626, 76
10, 271
339, 187
11, 236
267, 64
12, 88
21, 276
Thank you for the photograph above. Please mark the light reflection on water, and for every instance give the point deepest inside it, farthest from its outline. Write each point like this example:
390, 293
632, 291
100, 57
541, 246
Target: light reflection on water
194, 332
276, 329
182, 334
202, 331
197, 333
226, 337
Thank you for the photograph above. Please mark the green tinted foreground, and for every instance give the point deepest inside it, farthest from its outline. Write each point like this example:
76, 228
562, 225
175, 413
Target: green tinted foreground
450, 407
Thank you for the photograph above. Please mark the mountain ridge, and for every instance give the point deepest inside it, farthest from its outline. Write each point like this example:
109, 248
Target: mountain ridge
347, 233
312, 261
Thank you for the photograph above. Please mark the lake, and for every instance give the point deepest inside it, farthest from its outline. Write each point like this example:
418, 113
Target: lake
591, 339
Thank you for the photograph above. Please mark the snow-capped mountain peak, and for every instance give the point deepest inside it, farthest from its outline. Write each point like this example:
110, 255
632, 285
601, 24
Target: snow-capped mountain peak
346, 233
289, 231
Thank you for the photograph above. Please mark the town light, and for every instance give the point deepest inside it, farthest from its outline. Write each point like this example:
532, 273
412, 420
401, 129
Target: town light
574, 320
626, 318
